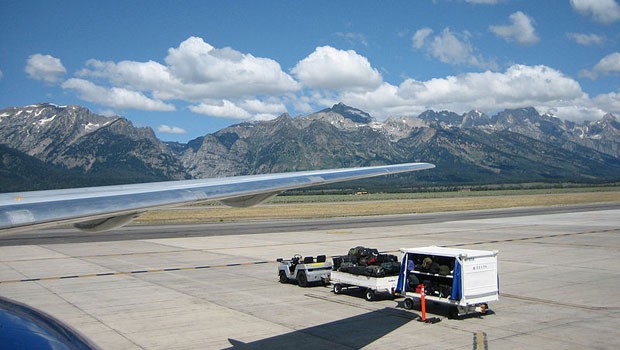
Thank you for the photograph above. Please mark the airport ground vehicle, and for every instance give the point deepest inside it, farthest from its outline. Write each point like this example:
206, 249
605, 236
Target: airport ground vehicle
304, 270
368, 284
464, 279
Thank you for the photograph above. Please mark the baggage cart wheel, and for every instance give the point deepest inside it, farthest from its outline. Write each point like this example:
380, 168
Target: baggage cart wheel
369, 295
283, 278
302, 280
453, 313
408, 303
337, 288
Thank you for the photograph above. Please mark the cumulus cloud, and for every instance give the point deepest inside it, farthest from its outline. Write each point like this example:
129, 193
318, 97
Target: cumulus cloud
263, 108
46, 68
602, 11
224, 109
608, 102
330, 68
230, 84
119, 98
609, 64
194, 72
167, 129
226, 71
586, 39
521, 29
140, 76
449, 47
518, 86
419, 38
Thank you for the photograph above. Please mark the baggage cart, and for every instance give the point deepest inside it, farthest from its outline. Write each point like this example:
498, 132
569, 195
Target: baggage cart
369, 285
466, 280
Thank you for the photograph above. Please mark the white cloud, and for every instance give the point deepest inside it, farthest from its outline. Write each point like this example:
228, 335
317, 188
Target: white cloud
141, 76
217, 73
225, 109
449, 47
115, 97
518, 86
602, 11
194, 72
586, 39
167, 129
330, 68
108, 113
419, 38
256, 107
252, 109
521, 29
353, 38
45, 67
609, 64
263, 117
230, 84
1, 74
608, 102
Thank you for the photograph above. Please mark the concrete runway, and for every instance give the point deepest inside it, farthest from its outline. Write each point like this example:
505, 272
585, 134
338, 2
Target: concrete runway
203, 290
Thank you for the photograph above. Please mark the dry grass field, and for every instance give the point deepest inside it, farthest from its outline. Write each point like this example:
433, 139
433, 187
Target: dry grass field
341, 206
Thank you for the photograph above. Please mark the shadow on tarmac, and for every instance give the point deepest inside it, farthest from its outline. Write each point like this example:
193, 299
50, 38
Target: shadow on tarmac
349, 333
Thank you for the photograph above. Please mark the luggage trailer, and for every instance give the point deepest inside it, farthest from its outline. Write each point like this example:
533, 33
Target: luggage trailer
472, 280
370, 286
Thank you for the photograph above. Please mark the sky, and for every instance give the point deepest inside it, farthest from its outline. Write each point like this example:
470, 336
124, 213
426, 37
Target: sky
189, 68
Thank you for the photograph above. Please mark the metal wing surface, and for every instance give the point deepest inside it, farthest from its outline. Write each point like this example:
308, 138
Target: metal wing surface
106, 207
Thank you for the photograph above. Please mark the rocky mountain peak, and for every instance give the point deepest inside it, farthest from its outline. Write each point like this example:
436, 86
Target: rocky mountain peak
610, 119
354, 114
475, 118
340, 116
443, 118
467, 147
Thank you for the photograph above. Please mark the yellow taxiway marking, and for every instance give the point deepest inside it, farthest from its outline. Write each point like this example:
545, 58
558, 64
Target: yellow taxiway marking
480, 341
135, 272
339, 232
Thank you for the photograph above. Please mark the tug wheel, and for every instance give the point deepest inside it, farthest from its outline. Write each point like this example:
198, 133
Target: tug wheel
283, 278
302, 280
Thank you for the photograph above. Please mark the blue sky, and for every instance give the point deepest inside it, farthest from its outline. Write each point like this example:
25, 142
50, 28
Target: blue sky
188, 68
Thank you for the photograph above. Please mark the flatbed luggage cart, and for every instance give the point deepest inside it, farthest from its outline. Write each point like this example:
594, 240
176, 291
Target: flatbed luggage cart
370, 286
464, 279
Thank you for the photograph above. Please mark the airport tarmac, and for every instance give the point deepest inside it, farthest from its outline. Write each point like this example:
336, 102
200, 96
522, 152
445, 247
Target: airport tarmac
559, 287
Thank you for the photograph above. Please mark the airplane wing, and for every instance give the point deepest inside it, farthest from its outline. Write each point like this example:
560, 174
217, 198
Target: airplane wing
106, 207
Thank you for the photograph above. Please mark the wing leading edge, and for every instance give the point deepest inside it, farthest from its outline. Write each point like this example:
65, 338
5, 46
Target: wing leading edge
107, 207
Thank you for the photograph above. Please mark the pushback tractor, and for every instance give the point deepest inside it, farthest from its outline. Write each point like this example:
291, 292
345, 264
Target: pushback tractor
304, 270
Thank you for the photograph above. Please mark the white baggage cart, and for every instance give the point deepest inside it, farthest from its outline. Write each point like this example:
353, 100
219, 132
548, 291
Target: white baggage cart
369, 285
466, 280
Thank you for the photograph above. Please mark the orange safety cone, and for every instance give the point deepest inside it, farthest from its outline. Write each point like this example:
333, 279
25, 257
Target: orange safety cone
423, 303
423, 308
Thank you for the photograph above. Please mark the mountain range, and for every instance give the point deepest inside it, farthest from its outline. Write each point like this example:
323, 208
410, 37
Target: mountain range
45, 146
